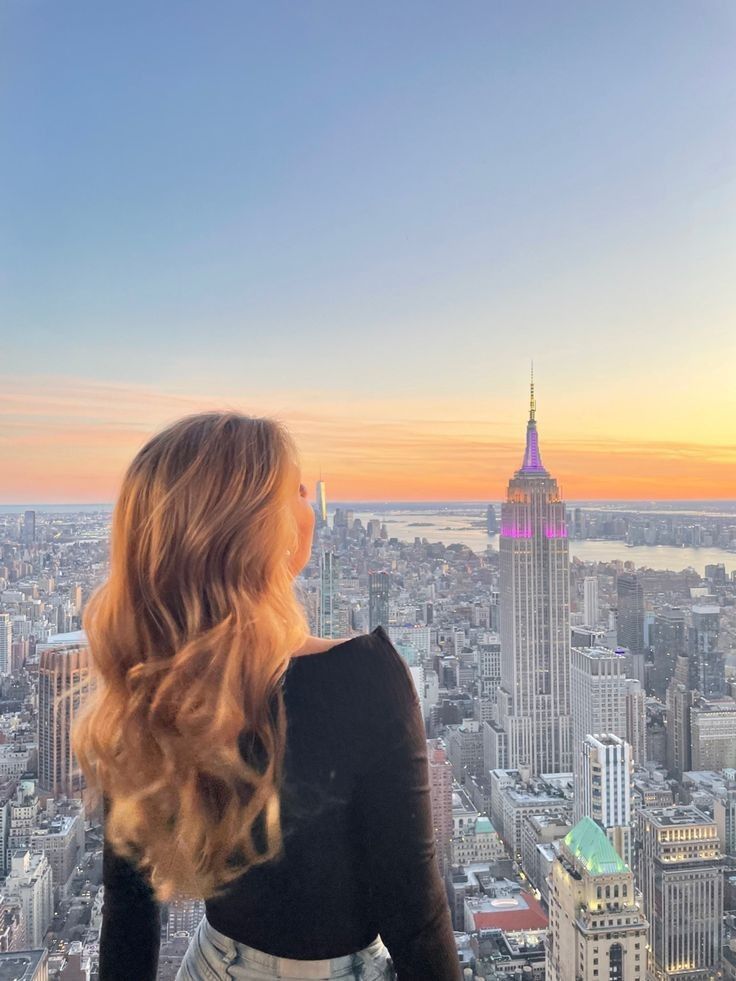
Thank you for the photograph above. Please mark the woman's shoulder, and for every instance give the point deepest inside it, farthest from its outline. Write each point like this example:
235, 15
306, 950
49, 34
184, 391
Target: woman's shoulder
319, 651
368, 666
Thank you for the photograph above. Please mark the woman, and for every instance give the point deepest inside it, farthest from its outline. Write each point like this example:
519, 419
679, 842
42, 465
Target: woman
281, 777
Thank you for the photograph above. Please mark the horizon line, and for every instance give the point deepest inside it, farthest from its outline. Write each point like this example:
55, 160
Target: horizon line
438, 500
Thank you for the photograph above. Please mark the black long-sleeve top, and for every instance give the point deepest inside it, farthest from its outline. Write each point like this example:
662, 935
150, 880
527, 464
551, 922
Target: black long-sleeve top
359, 849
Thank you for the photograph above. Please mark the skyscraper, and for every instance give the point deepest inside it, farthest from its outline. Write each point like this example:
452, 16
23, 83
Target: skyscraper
598, 704
681, 879
329, 580
590, 601
636, 720
708, 669
605, 789
29, 527
534, 698
6, 643
379, 585
320, 505
670, 642
596, 928
713, 733
440, 793
64, 680
630, 619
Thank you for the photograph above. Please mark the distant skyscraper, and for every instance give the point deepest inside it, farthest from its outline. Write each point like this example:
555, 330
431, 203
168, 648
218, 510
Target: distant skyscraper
379, 585
534, 697
491, 520
678, 738
6, 643
713, 733
630, 618
440, 795
670, 642
707, 673
29, 527
636, 720
321, 503
64, 680
329, 580
590, 600
681, 879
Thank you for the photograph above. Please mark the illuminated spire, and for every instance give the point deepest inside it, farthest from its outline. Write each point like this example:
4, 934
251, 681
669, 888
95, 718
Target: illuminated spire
532, 401
532, 459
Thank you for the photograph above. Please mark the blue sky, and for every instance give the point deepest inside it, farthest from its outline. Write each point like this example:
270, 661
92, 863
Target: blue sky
394, 200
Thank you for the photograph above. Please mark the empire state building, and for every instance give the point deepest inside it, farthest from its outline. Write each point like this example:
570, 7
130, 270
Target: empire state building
533, 705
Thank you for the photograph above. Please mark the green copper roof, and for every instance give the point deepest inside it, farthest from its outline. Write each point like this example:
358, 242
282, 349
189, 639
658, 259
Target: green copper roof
588, 843
483, 825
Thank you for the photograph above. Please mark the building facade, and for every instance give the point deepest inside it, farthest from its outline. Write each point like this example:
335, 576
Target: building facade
680, 873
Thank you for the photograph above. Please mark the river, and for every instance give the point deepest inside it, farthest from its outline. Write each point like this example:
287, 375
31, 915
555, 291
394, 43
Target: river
468, 528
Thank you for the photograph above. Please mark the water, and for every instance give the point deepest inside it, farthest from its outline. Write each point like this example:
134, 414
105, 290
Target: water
469, 528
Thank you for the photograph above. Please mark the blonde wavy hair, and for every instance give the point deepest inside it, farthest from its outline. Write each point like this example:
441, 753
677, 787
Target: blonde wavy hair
189, 638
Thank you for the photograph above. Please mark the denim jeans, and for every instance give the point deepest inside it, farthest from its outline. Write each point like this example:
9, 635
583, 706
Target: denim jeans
211, 956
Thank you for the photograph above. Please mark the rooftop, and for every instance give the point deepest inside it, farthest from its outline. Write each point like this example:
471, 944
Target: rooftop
601, 653
519, 911
589, 846
666, 817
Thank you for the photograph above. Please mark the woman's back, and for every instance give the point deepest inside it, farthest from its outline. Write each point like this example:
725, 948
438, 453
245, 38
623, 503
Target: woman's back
359, 850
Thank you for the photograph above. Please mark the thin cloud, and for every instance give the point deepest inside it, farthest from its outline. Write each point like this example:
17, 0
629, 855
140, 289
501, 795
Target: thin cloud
66, 439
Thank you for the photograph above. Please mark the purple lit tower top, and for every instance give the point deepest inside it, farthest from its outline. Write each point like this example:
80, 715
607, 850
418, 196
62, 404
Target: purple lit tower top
532, 459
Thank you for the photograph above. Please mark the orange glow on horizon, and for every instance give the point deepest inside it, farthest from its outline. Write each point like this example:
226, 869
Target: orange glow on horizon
70, 441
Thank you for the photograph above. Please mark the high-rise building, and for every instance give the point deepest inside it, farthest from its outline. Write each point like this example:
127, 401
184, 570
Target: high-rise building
379, 587
534, 697
590, 601
597, 928
31, 883
630, 615
636, 720
605, 789
716, 572
598, 702
440, 795
320, 504
6, 643
491, 520
707, 673
329, 580
29, 527
64, 680
680, 873
724, 814
670, 642
678, 735
713, 733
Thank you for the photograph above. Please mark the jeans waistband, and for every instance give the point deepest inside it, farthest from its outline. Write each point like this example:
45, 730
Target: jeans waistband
284, 967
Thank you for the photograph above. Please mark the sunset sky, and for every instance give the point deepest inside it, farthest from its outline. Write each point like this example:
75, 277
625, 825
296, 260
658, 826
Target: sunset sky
368, 220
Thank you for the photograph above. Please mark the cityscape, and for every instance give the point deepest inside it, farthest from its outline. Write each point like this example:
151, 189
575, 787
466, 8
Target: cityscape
580, 719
